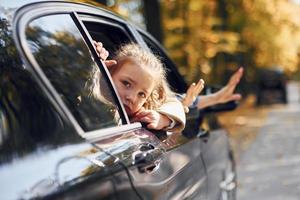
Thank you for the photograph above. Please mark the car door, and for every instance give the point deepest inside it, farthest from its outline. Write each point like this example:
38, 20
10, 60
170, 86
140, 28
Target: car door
217, 156
214, 145
123, 159
172, 179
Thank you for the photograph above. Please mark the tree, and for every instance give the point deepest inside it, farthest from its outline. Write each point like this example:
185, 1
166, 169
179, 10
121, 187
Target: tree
152, 17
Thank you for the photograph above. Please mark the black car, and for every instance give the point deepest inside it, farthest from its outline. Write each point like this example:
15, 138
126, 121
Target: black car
271, 87
55, 143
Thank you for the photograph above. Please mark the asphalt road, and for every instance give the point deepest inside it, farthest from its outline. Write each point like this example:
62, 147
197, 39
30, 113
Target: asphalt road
270, 168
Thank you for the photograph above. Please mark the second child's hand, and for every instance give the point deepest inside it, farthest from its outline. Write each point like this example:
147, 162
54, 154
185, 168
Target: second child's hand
225, 94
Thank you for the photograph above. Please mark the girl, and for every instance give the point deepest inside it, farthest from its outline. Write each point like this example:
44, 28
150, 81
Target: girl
140, 79
192, 99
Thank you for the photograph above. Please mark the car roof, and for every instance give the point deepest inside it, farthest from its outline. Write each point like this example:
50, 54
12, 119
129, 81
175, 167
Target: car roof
16, 4
8, 7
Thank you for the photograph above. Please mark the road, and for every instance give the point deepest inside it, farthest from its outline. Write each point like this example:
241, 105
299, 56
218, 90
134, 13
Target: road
270, 167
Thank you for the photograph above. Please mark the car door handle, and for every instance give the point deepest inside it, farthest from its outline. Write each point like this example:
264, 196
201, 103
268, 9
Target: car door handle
147, 158
203, 134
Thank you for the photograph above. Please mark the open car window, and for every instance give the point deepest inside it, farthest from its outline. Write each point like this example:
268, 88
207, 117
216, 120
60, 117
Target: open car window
111, 33
60, 51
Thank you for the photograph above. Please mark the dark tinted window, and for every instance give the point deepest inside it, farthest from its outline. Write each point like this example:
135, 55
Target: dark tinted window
60, 51
111, 35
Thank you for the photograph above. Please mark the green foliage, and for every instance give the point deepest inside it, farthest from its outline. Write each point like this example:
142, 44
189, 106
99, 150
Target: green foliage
211, 38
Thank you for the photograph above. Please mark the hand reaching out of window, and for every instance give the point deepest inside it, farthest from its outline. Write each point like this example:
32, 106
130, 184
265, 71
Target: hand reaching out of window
103, 54
225, 94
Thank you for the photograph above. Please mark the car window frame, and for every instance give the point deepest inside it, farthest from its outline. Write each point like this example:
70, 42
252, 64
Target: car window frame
139, 35
28, 13
123, 26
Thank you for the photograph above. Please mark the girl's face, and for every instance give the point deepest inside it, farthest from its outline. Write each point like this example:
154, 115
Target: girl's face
134, 85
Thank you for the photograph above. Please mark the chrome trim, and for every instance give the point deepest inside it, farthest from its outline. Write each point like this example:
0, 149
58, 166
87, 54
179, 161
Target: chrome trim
228, 184
97, 135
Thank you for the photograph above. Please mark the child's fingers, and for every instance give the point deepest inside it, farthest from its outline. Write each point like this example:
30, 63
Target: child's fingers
142, 113
110, 63
199, 86
103, 53
152, 126
99, 48
239, 74
146, 119
139, 119
106, 53
97, 44
191, 89
235, 97
195, 89
235, 78
201, 83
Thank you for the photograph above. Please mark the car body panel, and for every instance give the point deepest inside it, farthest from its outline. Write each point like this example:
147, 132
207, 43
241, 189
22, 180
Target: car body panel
173, 179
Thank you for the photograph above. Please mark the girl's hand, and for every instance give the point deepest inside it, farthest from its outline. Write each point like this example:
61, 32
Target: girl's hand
154, 119
192, 92
227, 93
103, 54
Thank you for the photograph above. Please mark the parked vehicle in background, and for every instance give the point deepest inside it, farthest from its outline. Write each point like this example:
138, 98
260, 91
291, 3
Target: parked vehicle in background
271, 87
57, 143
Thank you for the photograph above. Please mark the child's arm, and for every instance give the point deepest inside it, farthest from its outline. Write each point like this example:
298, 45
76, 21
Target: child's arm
153, 119
174, 110
225, 94
170, 116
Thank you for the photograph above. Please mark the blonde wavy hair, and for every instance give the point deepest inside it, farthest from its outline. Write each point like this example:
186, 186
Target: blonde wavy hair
145, 59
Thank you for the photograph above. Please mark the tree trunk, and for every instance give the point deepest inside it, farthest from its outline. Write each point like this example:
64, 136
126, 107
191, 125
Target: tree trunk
153, 18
